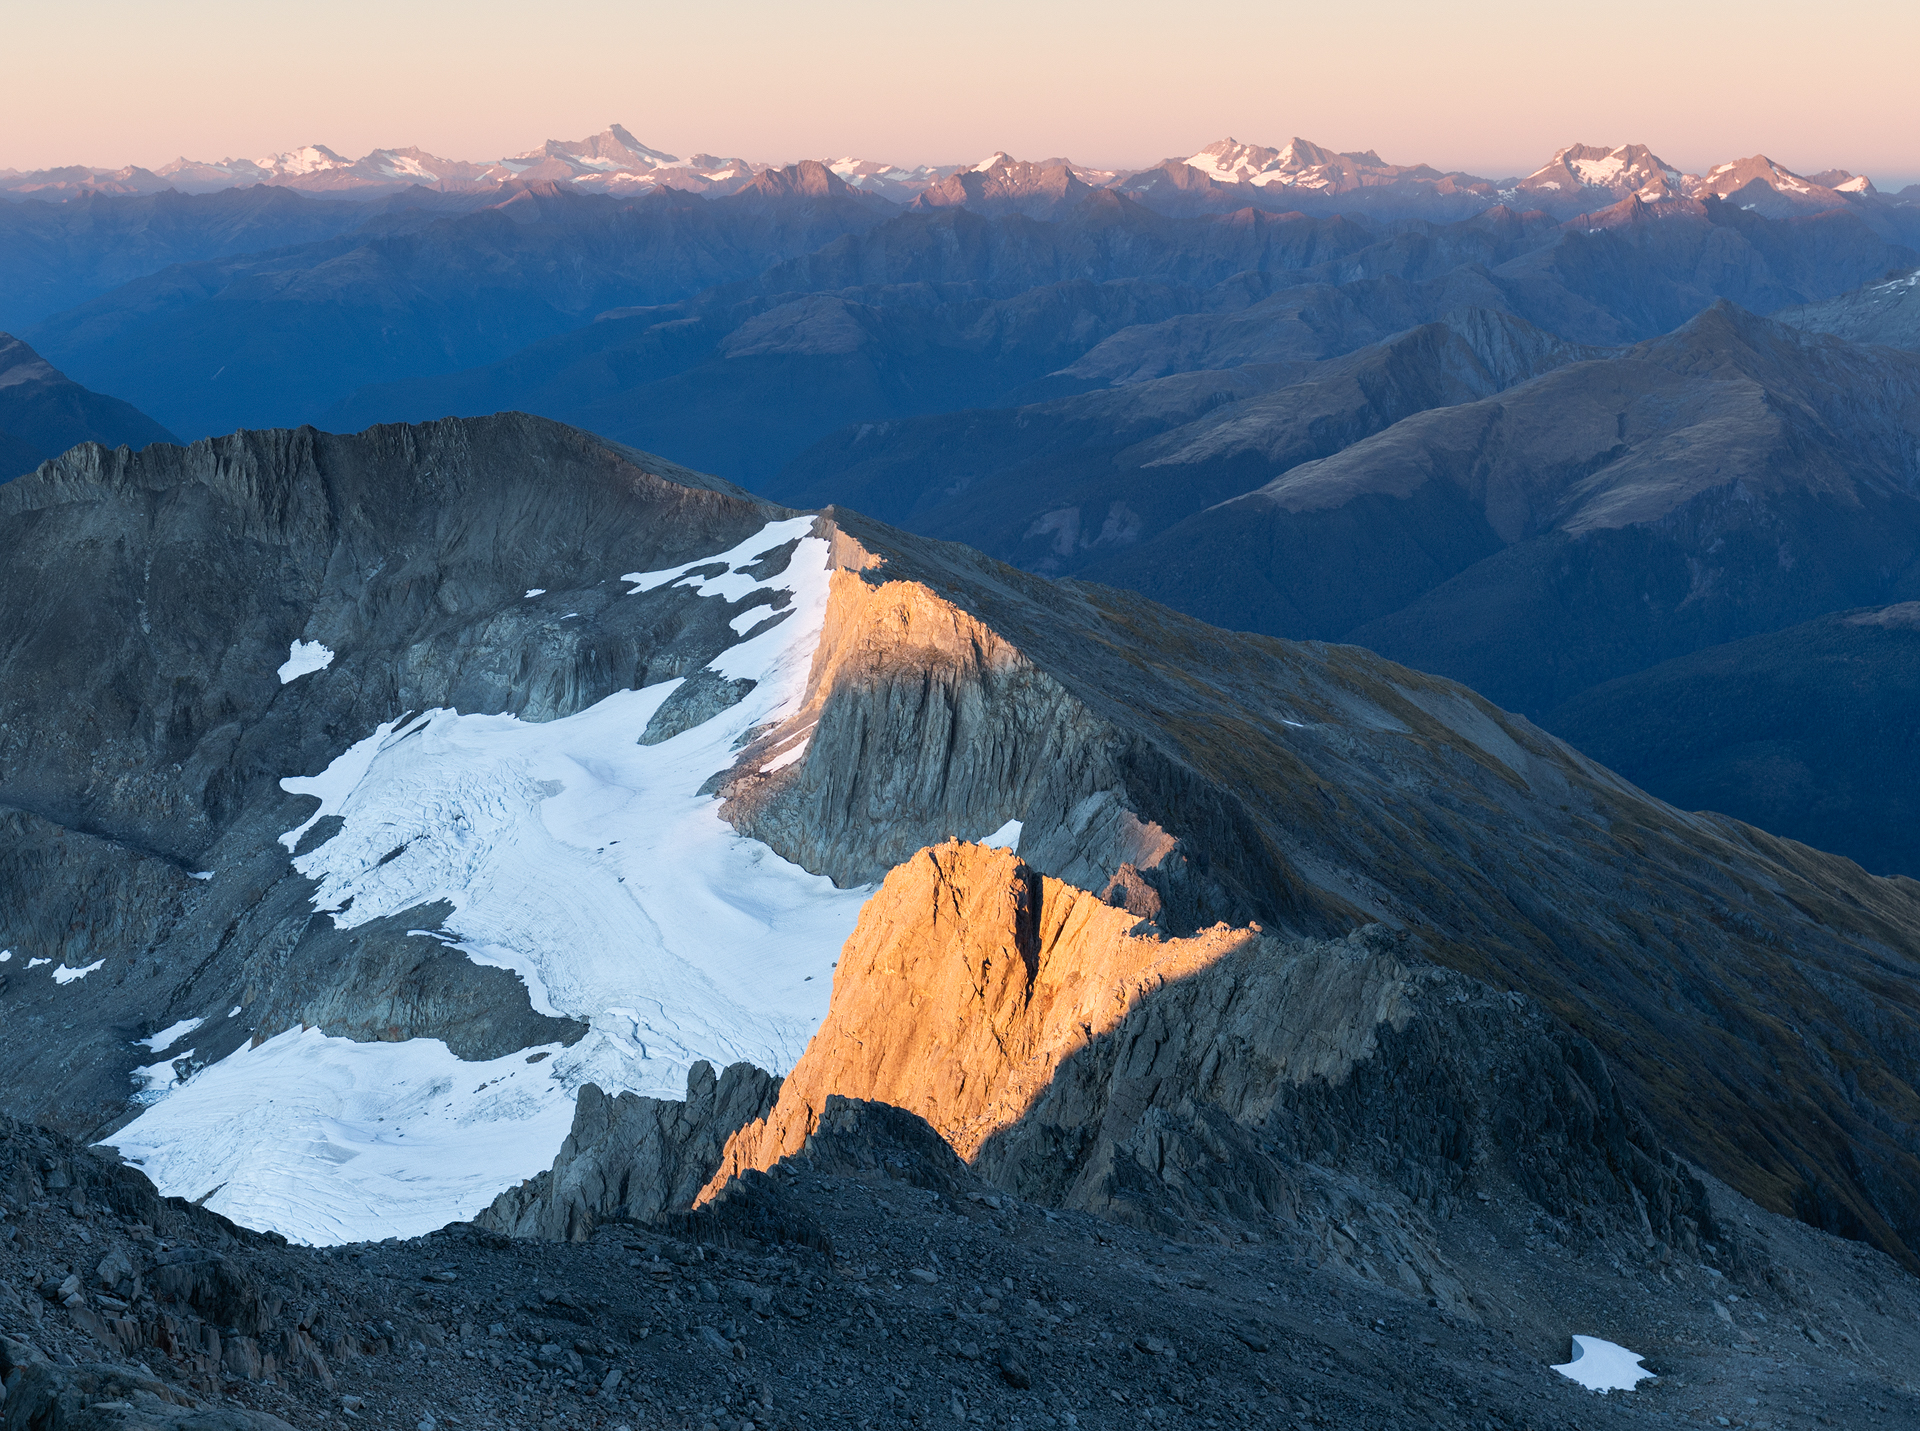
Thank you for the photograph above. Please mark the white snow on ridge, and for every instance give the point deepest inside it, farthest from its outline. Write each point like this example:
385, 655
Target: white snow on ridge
1604, 1366
1599, 172
169, 1036
66, 974
303, 659
584, 862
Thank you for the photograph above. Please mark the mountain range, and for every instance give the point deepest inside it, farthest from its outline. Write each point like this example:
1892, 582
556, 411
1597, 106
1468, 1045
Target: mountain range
612, 161
1083, 378
1575, 179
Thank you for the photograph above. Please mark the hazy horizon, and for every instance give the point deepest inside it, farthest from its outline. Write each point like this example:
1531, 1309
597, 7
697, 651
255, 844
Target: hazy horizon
1493, 89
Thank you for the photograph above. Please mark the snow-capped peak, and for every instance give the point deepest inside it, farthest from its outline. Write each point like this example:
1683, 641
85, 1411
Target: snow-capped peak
308, 159
1729, 178
1626, 169
612, 148
1302, 164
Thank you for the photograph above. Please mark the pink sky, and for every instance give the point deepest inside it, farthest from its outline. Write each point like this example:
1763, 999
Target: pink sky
1492, 87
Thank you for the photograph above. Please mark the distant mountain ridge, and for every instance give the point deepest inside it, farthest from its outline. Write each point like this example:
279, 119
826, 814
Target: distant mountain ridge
1225, 173
612, 161
43, 413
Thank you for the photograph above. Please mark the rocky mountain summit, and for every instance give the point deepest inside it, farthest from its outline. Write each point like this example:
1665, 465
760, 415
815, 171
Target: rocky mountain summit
400, 624
482, 826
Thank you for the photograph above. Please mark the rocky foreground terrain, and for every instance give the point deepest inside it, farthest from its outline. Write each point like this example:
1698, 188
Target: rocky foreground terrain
1425, 1191
872, 1281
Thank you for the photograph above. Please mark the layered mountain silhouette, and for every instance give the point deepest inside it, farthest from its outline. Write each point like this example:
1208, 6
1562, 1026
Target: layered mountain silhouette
1733, 477
61, 255
43, 413
217, 343
1810, 731
1059, 484
945, 309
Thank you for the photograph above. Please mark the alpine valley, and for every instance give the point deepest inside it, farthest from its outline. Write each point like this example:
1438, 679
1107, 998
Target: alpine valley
1271, 790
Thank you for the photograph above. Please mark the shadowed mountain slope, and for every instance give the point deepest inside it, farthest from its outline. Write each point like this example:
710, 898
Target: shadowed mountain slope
43, 413
1886, 312
681, 377
1055, 486
932, 310
1734, 477
59, 255
279, 336
1813, 732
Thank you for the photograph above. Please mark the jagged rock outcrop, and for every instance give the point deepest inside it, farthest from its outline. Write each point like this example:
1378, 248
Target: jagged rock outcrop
1188, 774
42, 1395
632, 1157
158, 1278
1075, 1057
1313, 789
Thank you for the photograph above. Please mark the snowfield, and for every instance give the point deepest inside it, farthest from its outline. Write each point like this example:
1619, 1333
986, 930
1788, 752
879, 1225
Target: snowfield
587, 864
1604, 1366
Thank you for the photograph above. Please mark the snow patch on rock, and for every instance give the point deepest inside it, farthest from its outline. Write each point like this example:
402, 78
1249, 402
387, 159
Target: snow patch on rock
1007, 837
169, 1036
303, 659
1604, 1366
326, 1140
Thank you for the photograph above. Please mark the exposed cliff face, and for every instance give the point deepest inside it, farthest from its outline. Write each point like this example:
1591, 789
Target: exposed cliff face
1312, 789
1224, 1080
967, 982
633, 1157
921, 721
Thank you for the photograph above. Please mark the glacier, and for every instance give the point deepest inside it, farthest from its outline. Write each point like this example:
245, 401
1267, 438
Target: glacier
586, 863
